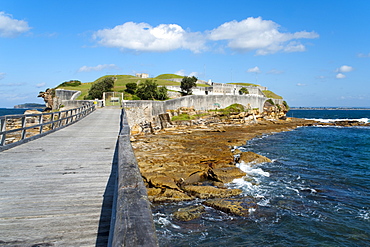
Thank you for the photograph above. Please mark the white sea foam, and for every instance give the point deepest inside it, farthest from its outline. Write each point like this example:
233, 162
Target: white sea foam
364, 214
251, 170
163, 220
365, 120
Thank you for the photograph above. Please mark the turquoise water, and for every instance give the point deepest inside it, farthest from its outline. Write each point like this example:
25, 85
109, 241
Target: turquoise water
316, 192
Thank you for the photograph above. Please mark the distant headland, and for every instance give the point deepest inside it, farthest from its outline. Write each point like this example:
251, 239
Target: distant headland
30, 106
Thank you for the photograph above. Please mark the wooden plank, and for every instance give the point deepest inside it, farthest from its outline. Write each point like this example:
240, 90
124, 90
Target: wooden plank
58, 189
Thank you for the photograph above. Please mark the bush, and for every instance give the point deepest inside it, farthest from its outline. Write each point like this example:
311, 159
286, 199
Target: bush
147, 90
181, 117
131, 88
97, 89
286, 105
270, 101
162, 93
234, 108
243, 90
187, 83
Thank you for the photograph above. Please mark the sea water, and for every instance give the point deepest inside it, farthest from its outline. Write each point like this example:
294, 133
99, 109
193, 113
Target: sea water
11, 111
316, 192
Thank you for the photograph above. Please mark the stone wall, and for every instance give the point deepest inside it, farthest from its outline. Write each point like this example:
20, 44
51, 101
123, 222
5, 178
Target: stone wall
63, 94
145, 112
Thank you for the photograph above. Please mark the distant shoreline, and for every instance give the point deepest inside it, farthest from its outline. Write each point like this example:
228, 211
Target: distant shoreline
329, 108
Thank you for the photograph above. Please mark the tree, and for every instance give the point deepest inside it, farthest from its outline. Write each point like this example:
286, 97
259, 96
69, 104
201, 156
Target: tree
147, 90
187, 83
97, 89
131, 88
162, 93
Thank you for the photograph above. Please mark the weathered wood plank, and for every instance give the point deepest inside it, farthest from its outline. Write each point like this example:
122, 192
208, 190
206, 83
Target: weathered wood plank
58, 189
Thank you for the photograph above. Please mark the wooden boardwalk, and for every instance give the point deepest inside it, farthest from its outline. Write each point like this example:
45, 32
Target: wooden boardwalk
58, 190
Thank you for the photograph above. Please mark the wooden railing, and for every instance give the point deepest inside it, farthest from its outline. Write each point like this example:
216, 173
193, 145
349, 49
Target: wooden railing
17, 129
132, 220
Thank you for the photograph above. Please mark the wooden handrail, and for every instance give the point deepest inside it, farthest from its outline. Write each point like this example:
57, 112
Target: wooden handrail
55, 121
132, 220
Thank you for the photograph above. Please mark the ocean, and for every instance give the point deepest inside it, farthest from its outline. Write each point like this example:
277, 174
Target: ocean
13, 111
316, 192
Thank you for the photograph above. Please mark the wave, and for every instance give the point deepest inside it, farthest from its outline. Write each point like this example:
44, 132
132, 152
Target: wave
323, 120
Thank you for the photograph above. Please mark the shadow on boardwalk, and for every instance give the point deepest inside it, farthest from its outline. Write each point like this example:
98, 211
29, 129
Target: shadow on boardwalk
106, 211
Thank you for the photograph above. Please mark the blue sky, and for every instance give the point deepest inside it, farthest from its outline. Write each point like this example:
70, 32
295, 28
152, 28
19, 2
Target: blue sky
313, 53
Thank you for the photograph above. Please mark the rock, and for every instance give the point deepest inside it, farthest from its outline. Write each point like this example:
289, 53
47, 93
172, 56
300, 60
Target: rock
241, 207
153, 191
189, 213
195, 178
250, 157
163, 182
236, 151
205, 192
32, 112
165, 120
170, 195
226, 174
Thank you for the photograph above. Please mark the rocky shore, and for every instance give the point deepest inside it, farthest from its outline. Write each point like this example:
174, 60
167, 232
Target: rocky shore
196, 159
193, 159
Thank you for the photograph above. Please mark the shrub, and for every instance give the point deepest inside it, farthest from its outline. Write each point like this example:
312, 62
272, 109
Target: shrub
187, 83
131, 88
181, 117
234, 108
97, 89
162, 93
147, 90
243, 90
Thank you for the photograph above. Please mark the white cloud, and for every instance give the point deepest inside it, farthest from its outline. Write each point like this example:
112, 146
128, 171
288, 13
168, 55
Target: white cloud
42, 84
10, 28
363, 55
2, 76
13, 84
247, 35
144, 37
344, 69
301, 84
180, 72
196, 74
254, 70
275, 72
99, 67
260, 35
340, 76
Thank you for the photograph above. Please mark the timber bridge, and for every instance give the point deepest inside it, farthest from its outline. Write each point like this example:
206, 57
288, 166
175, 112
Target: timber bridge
78, 186
81, 185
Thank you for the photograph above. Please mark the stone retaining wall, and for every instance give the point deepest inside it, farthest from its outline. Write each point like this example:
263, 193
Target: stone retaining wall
143, 111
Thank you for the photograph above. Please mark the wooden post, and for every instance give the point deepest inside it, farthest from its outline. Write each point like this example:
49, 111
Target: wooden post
2, 129
23, 135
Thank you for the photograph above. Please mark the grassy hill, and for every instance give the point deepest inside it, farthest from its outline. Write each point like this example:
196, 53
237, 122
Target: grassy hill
122, 80
243, 84
169, 76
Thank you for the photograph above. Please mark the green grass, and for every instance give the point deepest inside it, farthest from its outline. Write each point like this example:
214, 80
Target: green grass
270, 94
84, 88
122, 80
182, 117
169, 76
120, 84
243, 84
234, 108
